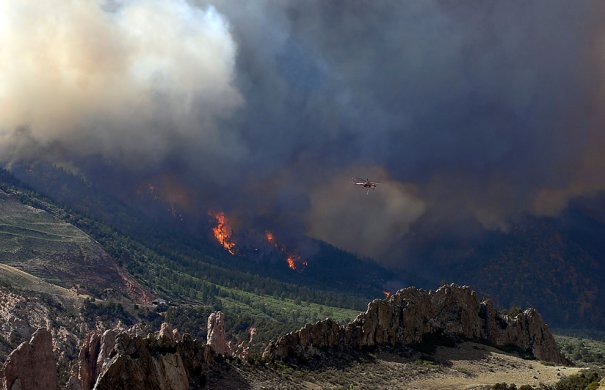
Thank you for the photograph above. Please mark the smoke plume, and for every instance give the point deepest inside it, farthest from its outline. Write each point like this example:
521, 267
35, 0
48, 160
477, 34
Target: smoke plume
131, 82
468, 111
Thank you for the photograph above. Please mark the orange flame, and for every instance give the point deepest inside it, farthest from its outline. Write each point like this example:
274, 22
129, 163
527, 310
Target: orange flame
269, 237
222, 232
294, 261
387, 294
291, 263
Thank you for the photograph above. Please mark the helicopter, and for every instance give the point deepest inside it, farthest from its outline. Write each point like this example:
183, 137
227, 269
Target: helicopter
365, 183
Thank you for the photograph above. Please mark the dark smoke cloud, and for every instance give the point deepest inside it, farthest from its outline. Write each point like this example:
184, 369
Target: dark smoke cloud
468, 111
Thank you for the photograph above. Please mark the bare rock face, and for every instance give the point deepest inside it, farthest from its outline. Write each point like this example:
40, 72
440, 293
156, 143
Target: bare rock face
216, 333
167, 331
93, 356
98, 348
126, 359
15, 311
217, 340
108, 341
87, 373
145, 363
32, 365
241, 350
154, 362
411, 314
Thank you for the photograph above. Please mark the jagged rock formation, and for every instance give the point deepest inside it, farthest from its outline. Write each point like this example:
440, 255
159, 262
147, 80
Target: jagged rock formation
93, 357
20, 319
217, 340
216, 333
167, 331
32, 365
165, 360
411, 314
98, 349
155, 362
242, 350
19, 316
133, 358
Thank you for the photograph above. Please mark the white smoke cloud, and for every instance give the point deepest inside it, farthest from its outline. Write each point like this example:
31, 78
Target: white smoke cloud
130, 80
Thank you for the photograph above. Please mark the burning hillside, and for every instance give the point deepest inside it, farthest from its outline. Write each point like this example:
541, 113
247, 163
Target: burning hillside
270, 238
224, 235
294, 261
223, 232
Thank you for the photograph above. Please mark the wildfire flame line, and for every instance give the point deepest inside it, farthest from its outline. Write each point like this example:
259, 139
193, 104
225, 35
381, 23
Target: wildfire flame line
291, 263
294, 261
223, 233
269, 237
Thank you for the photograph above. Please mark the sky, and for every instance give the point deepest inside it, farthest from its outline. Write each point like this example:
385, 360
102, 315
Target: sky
480, 111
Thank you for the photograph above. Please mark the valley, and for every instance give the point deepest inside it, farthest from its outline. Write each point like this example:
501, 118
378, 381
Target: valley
282, 194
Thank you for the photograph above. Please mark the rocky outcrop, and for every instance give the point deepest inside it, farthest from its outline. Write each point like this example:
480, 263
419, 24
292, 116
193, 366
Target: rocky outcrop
32, 365
134, 358
241, 350
98, 349
217, 340
412, 314
155, 362
216, 333
165, 360
525, 332
167, 331
93, 356
87, 358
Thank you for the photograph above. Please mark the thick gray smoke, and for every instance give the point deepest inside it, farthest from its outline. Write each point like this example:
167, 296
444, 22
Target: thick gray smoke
467, 110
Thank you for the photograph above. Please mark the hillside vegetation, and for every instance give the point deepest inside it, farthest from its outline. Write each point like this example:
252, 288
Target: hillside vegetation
11, 276
53, 249
552, 264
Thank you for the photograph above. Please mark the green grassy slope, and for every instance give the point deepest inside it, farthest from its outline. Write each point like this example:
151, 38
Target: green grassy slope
36, 242
10, 276
151, 221
49, 242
